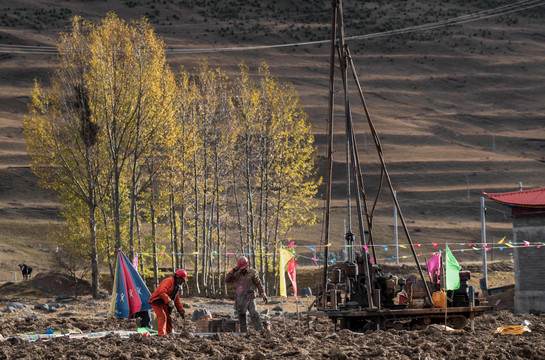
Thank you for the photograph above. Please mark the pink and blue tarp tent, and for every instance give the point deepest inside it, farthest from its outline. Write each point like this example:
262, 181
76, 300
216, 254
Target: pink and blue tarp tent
130, 294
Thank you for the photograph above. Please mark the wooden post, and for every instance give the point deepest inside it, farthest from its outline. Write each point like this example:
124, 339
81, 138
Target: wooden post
297, 309
283, 314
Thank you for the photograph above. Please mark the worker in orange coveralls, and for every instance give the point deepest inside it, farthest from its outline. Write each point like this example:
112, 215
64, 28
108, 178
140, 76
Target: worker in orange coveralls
165, 298
248, 283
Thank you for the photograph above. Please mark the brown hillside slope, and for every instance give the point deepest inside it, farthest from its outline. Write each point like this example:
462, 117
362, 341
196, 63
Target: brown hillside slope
458, 109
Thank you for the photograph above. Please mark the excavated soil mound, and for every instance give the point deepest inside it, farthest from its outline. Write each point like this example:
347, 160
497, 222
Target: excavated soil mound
46, 284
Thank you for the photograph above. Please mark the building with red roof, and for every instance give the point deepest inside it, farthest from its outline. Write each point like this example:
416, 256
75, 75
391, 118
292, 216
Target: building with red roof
528, 214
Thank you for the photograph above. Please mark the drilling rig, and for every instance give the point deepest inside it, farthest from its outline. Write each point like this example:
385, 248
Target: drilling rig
357, 295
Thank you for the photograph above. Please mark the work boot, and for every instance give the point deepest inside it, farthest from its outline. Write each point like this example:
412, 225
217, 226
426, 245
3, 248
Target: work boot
242, 322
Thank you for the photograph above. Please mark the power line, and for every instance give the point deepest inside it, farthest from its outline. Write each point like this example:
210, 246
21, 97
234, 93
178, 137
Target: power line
502, 10
485, 14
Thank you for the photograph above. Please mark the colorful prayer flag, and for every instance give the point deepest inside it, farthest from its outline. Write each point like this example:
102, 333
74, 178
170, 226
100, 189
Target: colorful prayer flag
285, 256
292, 276
434, 263
452, 272
135, 261
129, 294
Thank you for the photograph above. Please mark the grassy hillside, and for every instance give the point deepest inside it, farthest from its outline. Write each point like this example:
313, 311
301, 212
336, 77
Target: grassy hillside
459, 109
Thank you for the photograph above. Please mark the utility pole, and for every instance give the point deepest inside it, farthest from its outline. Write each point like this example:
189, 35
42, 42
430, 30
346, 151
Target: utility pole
483, 241
395, 230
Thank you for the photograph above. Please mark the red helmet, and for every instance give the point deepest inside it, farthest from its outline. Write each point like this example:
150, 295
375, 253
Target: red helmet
181, 273
242, 262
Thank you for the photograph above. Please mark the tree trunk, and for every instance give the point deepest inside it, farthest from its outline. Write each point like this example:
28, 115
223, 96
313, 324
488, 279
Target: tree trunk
95, 285
196, 191
154, 241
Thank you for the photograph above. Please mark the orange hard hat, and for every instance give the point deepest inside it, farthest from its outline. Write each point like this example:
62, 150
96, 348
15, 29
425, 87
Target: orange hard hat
242, 262
181, 273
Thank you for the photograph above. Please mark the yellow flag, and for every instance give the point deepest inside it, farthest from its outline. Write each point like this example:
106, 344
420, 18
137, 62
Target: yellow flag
501, 241
403, 246
285, 256
509, 245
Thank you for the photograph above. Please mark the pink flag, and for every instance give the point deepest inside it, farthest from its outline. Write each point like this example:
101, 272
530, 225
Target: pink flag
526, 243
229, 253
290, 244
417, 246
314, 259
135, 261
365, 247
292, 276
435, 244
434, 263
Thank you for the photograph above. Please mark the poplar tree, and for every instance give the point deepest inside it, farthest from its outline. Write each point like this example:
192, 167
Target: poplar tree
106, 116
64, 135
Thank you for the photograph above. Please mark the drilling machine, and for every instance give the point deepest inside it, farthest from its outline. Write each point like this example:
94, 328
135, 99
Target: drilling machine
357, 294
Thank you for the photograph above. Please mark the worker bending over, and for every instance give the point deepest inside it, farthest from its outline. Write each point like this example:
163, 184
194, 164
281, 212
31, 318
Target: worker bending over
165, 298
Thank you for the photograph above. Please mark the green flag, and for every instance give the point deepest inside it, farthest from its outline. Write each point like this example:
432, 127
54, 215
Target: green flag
452, 273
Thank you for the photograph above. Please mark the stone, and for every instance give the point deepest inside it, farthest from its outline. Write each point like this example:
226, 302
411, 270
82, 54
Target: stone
69, 313
306, 292
201, 314
44, 307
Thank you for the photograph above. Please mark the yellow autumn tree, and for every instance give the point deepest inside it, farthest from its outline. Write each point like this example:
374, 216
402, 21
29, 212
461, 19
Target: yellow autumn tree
64, 137
102, 131
273, 166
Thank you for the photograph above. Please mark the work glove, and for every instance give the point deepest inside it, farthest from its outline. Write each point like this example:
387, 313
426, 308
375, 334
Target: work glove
171, 304
182, 313
265, 298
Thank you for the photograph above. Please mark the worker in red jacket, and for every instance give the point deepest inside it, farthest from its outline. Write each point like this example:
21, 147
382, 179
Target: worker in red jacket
248, 283
165, 298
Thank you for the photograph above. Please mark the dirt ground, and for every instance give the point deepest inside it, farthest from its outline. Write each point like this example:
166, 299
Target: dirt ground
292, 339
